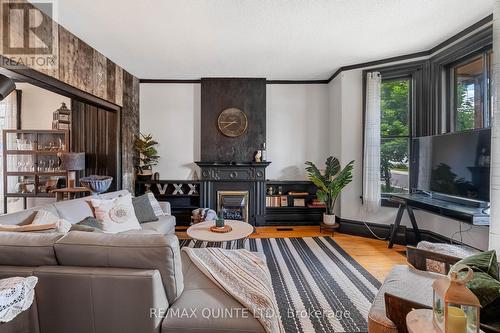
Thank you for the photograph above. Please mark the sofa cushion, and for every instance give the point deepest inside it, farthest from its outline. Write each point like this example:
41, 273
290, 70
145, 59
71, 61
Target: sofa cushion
76, 210
28, 249
134, 250
165, 225
143, 209
210, 303
397, 283
25, 216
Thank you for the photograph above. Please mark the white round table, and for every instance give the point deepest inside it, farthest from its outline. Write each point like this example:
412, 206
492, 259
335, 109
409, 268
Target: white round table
420, 321
201, 231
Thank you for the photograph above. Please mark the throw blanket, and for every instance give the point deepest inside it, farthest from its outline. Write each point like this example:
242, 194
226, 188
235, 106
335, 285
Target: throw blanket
16, 295
244, 276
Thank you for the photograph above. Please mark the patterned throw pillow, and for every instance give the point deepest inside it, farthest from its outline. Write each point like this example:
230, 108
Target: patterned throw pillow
155, 204
116, 215
44, 217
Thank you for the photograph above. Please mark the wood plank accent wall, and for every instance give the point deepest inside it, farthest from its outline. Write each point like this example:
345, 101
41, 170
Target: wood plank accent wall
129, 127
94, 131
84, 68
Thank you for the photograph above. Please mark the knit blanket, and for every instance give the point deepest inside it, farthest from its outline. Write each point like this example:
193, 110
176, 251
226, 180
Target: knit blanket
16, 296
244, 276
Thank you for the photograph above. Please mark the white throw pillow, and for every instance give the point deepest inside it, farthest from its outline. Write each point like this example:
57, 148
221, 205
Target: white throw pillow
155, 204
46, 217
116, 215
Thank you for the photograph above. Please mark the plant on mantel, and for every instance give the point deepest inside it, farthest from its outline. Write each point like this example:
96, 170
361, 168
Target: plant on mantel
147, 155
330, 183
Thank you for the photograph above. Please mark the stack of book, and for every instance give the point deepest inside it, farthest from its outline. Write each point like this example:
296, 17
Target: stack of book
316, 203
273, 201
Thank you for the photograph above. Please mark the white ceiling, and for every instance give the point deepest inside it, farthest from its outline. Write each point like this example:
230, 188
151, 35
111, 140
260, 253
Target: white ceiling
278, 39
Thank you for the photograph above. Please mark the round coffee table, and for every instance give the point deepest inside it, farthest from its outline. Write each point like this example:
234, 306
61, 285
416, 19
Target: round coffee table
201, 231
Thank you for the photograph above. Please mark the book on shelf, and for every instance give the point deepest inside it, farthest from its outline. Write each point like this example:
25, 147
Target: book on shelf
316, 203
273, 201
297, 194
299, 202
284, 201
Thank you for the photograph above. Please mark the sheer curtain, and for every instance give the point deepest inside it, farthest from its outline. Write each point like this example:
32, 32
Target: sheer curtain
8, 120
371, 158
494, 241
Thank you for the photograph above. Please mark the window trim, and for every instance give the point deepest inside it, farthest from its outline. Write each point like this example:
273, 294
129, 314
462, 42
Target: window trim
416, 71
450, 88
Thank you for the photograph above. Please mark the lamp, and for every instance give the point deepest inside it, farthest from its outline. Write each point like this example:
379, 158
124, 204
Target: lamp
7, 86
72, 162
455, 308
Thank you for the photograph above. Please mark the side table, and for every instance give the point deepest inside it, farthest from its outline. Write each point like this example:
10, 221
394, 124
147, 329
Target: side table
72, 192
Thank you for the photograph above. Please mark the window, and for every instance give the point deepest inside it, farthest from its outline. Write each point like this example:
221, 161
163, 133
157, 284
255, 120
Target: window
471, 92
395, 105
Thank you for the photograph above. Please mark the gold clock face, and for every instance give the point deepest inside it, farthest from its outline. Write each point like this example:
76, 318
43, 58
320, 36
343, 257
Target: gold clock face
232, 122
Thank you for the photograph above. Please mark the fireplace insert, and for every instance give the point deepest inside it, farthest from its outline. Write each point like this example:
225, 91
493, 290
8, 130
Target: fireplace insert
233, 205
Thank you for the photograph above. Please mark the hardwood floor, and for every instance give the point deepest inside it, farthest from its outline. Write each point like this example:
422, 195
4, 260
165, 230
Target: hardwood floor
372, 254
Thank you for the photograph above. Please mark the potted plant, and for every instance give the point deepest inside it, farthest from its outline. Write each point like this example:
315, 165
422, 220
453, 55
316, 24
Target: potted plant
147, 155
330, 183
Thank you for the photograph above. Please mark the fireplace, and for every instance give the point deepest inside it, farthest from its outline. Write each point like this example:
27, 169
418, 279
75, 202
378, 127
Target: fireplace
233, 205
235, 190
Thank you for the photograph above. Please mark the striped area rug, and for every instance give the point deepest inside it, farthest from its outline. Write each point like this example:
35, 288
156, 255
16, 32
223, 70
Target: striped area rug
318, 286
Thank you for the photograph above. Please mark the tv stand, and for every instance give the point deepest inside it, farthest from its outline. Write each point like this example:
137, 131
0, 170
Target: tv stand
439, 205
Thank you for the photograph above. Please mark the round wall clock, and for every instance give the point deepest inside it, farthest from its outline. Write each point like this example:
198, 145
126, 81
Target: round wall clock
232, 122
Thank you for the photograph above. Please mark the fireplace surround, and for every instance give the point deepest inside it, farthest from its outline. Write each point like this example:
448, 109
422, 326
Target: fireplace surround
243, 178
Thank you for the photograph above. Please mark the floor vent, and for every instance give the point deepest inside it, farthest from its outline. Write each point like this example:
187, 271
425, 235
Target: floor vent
284, 229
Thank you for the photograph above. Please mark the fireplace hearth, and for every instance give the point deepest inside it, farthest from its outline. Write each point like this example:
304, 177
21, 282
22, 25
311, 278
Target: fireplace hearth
235, 190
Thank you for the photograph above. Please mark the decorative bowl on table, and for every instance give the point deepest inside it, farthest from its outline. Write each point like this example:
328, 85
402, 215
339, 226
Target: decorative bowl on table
97, 184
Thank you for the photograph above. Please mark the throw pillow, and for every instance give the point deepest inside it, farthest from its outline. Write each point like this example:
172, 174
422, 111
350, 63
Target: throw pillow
89, 224
485, 262
487, 290
116, 215
44, 217
143, 209
155, 204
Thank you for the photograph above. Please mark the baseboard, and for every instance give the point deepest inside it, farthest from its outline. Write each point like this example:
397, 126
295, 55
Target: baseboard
358, 228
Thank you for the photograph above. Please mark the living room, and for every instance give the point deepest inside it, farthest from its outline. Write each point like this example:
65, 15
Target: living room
251, 166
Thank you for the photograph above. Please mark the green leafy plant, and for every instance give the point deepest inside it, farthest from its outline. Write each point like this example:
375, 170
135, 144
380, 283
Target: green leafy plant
147, 155
330, 182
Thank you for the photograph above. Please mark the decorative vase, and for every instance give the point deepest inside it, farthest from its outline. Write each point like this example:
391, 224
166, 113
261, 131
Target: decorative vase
329, 219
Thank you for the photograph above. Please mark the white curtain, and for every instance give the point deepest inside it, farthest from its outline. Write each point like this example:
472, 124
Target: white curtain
371, 158
8, 111
494, 242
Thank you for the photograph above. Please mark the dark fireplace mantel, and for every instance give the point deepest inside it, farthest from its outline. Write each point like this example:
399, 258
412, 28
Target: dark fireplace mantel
236, 176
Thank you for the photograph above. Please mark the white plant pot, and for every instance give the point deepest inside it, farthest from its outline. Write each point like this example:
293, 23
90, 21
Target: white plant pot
329, 219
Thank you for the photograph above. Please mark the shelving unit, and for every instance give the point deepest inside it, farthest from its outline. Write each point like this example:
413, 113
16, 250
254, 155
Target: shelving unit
182, 202
291, 215
31, 167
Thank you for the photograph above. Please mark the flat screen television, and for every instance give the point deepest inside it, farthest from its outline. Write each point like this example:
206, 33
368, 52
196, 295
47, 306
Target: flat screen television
456, 164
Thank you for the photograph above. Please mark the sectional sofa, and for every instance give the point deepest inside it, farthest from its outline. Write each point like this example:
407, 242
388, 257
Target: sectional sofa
129, 282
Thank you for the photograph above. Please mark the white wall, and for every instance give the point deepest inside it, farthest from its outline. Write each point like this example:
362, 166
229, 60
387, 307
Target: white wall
297, 127
171, 113
38, 105
348, 113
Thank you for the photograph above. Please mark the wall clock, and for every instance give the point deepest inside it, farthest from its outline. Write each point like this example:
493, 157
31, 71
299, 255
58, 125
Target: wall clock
232, 122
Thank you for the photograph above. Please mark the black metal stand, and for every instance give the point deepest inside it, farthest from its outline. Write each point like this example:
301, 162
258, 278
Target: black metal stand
397, 223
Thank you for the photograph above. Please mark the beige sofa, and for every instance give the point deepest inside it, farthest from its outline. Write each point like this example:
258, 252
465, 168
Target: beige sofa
124, 283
